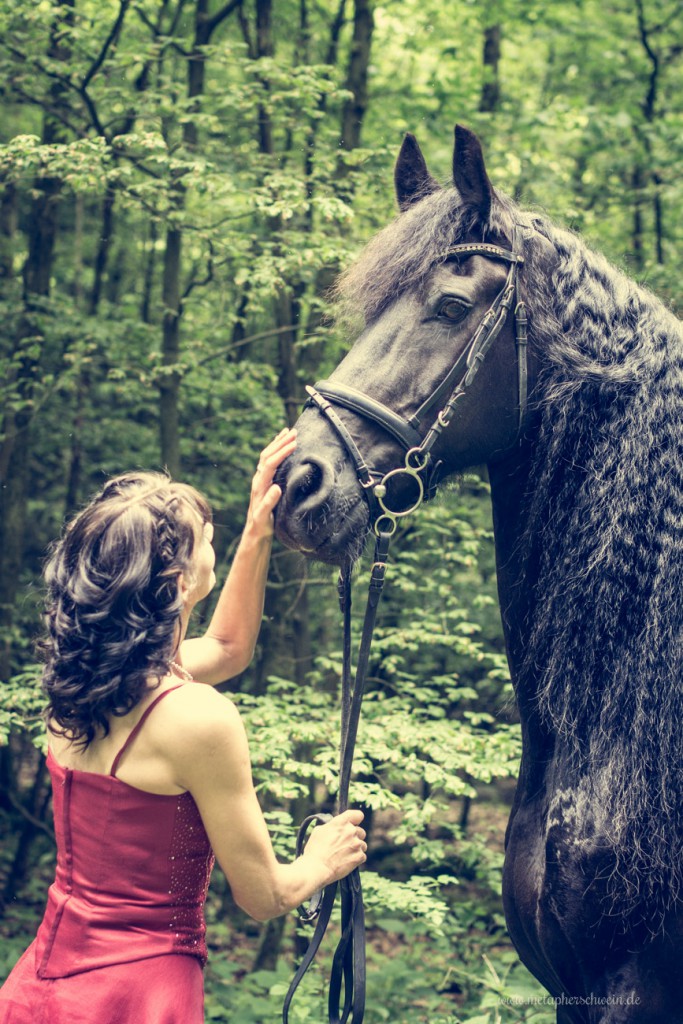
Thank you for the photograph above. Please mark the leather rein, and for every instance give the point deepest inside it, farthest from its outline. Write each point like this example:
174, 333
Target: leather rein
420, 470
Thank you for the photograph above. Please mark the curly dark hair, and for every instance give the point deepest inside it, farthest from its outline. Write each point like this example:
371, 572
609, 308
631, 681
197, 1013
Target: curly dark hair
113, 602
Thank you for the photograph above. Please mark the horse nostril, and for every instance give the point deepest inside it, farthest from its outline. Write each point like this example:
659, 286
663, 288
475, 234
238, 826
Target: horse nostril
310, 484
307, 483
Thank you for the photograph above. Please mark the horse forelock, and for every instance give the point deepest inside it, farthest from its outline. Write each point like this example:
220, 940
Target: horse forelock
401, 256
605, 529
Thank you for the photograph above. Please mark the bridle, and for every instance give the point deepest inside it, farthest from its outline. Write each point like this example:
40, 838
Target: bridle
420, 466
420, 470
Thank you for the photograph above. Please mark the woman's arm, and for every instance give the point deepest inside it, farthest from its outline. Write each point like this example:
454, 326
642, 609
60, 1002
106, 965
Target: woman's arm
211, 760
228, 645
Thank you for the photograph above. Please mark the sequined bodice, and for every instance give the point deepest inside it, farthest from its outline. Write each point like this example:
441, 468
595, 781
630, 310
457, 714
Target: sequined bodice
132, 873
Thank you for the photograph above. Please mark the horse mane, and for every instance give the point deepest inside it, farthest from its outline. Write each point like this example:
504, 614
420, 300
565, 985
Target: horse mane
604, 527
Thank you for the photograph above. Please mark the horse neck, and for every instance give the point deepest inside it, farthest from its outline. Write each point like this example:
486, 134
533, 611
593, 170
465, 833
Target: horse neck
516, 569
517, 572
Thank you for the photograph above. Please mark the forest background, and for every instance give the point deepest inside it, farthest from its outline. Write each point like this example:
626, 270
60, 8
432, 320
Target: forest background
180, 183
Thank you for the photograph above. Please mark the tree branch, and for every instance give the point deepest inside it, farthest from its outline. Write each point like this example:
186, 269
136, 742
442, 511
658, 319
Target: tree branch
36, 822
67, 83
335, 32
648, 104
245, 341
49, 109
246, 32
196, 282
111, 38
155, 29
176, 17
23, 59
147, 22
92, 110
221, 14
667, 22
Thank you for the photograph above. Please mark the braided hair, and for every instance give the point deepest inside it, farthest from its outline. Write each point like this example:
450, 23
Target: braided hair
113, 603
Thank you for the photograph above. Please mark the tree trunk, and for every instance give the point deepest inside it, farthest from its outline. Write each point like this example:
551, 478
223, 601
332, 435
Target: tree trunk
269, 944
288, 310
265, 47
169, 387
355, 107
637, 183
658, 218
285, 635
15, 450
649, 109
84, 381
148, 274
8, 225
103, 247
490, 91
36, 806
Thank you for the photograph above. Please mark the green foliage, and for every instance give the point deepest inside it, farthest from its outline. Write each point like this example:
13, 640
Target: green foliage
21, 707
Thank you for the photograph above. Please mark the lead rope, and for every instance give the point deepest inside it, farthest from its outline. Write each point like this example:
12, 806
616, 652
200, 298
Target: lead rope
347, 976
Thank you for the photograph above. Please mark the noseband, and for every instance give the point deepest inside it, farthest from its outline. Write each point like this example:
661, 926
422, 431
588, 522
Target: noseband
346, 1001
420, 468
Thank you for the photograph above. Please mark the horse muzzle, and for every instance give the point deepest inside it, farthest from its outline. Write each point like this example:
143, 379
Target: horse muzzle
322, 511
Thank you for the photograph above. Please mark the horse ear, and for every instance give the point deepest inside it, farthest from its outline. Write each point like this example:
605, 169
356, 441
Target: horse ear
411, 177
469, 172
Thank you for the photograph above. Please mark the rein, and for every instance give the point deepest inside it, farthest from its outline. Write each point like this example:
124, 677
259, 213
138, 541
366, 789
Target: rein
421, 471
348, 966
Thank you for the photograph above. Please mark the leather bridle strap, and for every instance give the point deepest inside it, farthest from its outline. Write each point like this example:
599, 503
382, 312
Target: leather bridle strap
347, 977
403, 430
366, 477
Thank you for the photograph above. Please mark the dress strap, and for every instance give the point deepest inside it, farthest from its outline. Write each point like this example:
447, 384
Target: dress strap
136, 729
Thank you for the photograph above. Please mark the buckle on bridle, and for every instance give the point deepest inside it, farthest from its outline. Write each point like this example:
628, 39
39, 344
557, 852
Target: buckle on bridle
379, 527
414, 465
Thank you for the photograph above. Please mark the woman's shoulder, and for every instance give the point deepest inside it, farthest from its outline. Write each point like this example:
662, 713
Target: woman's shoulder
202, 732
199, 715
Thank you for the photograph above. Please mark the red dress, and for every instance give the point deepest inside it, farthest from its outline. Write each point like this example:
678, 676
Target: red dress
122, 939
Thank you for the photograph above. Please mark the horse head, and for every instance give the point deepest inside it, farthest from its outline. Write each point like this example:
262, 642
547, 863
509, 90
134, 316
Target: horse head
437, 379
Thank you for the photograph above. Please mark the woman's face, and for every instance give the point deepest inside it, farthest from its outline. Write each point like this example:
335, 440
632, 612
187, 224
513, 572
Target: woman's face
204, 563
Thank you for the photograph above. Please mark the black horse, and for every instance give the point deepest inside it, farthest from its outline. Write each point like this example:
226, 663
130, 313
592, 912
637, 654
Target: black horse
587, 491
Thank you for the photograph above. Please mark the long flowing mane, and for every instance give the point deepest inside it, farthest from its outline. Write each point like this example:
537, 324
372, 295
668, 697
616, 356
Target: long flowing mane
605, 520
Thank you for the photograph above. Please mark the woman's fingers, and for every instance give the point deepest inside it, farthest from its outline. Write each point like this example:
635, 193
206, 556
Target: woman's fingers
350, 820
270, 500
264, 493
273, 456
353, 815
341, 843
275, 449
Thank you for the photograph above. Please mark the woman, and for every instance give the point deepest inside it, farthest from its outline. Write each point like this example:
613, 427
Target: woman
150, 771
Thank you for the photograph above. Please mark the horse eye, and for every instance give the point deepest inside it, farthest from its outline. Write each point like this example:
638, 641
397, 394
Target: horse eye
453, 309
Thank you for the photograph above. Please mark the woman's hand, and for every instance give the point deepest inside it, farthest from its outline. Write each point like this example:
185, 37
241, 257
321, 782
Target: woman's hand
339, 844
227, 647
264, 493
